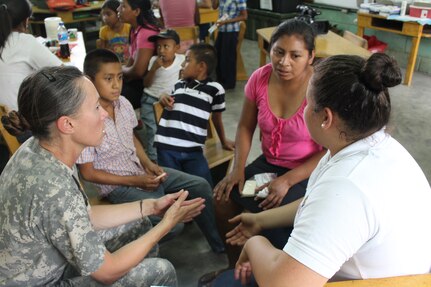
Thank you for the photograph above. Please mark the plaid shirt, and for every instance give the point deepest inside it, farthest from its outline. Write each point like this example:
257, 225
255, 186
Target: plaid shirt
232, 8
117, 153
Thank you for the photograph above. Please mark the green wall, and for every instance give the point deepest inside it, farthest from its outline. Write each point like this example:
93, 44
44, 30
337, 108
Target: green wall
398, 45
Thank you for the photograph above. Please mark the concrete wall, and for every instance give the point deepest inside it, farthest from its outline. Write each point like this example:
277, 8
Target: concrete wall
398, 45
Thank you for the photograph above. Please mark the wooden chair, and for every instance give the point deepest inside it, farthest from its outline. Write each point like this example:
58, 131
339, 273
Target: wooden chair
355, 39
11, 141
188, 36
219, 160
241, 74
187, 33
422, 280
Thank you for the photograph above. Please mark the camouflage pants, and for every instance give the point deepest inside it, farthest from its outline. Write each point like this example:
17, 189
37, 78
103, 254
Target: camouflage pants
152, 271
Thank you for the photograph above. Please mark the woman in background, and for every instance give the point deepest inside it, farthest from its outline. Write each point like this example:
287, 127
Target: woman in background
183, 13
20, 53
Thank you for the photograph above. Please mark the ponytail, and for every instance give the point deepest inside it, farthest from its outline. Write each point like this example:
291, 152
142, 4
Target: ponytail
12, 14
5, 26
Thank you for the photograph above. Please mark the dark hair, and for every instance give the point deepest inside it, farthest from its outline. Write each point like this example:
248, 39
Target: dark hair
47, 95
94, 59
146, 16
295, 27
356, 90
111, 4
205, 53
12, 14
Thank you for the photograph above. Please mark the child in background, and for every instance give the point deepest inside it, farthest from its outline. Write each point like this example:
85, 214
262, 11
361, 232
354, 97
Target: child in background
114, 35
163, 73
227, 39
120, 166
182, 129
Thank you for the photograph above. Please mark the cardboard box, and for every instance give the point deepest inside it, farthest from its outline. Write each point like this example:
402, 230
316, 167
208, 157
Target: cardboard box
420, 12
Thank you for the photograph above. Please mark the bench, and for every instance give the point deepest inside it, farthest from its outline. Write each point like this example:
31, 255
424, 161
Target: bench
421, 280
219, 160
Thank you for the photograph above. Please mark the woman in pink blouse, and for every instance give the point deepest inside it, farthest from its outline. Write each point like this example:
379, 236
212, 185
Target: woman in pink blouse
275, 100
139, 15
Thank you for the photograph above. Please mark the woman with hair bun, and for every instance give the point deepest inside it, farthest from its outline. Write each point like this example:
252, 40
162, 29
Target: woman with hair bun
20, 53
50, 235
366, 210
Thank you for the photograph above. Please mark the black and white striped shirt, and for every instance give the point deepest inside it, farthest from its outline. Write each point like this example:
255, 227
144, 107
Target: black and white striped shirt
184, 128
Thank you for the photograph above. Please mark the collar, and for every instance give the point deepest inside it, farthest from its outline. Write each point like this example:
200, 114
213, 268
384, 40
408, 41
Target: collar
193, 83
364, 145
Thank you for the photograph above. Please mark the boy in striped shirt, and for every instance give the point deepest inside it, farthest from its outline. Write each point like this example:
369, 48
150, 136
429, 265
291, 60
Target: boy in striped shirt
182, 129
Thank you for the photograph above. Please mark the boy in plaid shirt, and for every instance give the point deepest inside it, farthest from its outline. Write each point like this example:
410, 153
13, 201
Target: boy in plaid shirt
227, 39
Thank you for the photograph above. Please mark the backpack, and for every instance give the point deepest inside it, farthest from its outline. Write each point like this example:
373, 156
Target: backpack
60, 5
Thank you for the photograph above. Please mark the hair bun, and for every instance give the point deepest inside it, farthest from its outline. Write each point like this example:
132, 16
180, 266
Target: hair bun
15, 123
380, 72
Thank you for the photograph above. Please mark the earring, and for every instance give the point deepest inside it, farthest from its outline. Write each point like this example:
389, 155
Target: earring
322, 125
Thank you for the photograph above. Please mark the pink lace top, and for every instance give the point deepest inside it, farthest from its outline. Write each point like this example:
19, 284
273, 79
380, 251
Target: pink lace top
285, 142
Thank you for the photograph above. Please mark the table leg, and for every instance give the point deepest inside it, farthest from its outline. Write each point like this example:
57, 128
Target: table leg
262, 61
412, 60
360, 31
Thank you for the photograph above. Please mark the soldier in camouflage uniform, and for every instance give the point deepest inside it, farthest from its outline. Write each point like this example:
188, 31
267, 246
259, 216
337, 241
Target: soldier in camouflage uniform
49, 235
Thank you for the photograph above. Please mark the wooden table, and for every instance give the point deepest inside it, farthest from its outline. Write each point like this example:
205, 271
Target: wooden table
423, 280
329, 44
412, 29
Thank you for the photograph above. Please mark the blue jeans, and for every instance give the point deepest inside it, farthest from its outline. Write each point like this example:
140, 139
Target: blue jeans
175, 181
149, 121
277, 236
189, 162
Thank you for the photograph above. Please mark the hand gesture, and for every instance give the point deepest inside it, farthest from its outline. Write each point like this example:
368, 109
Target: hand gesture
243, 269
153, 169
182, 210
157, 63
147, 182
277, 190
224, 187
228, 144
246, 228
167, 101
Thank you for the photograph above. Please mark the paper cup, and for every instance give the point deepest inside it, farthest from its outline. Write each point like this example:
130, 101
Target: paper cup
51, 25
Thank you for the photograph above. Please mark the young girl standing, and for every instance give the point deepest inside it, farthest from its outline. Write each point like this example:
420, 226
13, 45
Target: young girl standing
139, 15
114, 35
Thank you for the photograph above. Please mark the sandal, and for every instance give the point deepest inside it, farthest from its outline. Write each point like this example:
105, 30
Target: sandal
206, 280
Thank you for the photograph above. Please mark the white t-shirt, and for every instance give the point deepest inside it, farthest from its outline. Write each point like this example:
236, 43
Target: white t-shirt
21, 56
366, 214
164, 78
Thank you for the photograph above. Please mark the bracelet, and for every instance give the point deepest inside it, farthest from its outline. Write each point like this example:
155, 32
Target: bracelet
140, 207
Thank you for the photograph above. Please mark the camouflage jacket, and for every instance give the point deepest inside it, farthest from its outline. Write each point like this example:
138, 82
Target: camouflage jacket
44, 221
